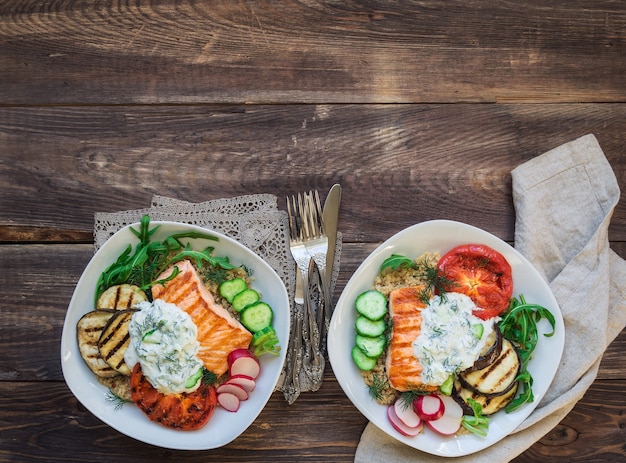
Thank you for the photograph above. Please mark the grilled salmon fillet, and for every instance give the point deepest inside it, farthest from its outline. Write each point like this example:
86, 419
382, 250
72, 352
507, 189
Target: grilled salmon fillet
218, 332
403, 368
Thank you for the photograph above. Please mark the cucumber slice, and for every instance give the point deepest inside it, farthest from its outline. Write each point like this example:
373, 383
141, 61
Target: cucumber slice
366, 327
371, 346
362, 361
230, 288
244, 299
257, 316
371, 304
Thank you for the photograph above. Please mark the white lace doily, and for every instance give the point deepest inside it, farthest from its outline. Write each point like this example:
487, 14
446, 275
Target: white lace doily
253, 220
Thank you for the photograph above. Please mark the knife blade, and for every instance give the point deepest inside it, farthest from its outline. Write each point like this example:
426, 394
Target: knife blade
330, 216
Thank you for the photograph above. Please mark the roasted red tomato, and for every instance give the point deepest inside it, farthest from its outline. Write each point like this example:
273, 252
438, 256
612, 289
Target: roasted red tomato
183, 411
483, 274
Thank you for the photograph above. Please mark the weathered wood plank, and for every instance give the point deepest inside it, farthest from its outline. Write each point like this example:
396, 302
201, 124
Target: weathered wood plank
42, 419
168, 51
428, 161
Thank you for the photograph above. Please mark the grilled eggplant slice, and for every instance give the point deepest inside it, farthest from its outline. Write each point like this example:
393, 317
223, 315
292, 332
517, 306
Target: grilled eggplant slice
88, 331
491, 351
121, 297
115, 339
490, 404
498, 377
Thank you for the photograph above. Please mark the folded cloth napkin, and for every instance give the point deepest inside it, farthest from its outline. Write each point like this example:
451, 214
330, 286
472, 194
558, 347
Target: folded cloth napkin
564, 200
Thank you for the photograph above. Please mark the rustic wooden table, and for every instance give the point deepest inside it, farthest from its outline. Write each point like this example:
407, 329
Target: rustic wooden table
419, 109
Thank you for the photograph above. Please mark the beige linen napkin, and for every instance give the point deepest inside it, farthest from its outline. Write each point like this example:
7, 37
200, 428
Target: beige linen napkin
564, 200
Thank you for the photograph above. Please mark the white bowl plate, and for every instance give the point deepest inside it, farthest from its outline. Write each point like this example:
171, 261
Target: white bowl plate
223, 427
441, 236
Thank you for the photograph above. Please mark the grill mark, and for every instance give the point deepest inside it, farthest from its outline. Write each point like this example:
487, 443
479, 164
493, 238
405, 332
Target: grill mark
116, 348
94, 330
118, 295
498, 362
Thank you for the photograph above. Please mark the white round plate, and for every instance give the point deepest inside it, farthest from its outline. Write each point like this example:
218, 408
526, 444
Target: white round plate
223, 427
441, 236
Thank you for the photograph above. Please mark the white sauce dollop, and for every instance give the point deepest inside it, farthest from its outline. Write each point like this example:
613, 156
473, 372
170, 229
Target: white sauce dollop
163, 339
448, 342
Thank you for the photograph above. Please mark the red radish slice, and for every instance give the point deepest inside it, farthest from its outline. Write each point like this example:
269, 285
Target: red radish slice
399, 425
244, 381
406, 414
233, 388
450, 422
429, 407
228, 401
243, 362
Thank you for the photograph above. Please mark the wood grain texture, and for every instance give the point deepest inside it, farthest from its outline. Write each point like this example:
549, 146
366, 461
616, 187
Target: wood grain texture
420, 109
42, 422
432, 161
168, 51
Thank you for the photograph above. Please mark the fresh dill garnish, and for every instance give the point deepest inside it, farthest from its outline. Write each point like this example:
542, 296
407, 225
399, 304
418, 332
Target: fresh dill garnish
408, 397
116, 400
379, 384
438, 282
208, 377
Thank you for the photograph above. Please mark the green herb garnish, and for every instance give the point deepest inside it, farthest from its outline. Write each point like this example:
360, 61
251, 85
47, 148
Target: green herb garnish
208, 377
396, 261
379, 384
477, 424
519, 325
116, 399
150, 258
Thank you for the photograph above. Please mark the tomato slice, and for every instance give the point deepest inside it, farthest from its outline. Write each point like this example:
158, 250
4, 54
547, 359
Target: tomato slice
184, 411
483, 274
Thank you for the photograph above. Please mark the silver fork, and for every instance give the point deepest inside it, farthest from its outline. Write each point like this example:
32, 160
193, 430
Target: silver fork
316, 242
312, 361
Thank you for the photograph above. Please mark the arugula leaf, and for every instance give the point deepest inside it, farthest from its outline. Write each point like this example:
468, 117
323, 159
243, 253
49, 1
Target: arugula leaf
477, 424
150, 258
519, 325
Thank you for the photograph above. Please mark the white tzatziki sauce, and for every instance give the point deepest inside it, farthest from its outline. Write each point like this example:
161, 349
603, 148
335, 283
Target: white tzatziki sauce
163, 339
450, 338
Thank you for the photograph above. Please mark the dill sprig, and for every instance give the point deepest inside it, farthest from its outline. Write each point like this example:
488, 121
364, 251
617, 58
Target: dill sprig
435, 280
408, 397
116, 400
379, 384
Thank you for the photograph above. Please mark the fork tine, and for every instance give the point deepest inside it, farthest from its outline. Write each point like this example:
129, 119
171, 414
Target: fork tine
303, 203
290, 216
317, 214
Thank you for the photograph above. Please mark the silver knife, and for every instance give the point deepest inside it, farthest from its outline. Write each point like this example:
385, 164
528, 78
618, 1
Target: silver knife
330, 216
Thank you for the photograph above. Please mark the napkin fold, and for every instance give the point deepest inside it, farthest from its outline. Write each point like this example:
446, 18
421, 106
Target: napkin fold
253, 220
564, 200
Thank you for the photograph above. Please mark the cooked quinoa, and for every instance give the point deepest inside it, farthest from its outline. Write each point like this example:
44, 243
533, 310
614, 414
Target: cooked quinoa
386, 281
390, 279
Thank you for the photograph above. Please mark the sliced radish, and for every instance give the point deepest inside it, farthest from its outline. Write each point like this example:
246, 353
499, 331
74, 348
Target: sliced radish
229, 402
247, 382
429, 407
450, 422
233, 388
406, 414
243, 362
399, 425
